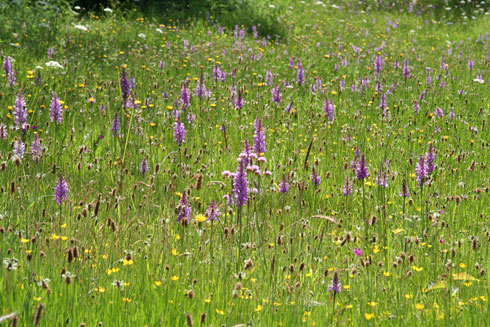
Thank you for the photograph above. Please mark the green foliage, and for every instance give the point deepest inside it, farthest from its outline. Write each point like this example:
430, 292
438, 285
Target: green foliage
34, 24
226, 12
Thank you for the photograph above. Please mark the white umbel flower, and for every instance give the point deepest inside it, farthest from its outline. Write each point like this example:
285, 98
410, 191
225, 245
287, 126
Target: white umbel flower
54, 64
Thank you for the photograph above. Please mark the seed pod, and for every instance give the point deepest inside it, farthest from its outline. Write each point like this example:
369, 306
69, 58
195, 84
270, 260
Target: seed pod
97, 205
70, 256
39, 312
248, 264
188, 319
203, 318
76, 252
411, 258
474, 244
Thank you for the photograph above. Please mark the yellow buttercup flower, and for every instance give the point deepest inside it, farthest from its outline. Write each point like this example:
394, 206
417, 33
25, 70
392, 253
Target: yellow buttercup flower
369, 316
200, 218
127, 262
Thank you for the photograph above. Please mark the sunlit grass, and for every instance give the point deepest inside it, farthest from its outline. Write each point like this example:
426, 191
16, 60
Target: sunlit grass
113, 252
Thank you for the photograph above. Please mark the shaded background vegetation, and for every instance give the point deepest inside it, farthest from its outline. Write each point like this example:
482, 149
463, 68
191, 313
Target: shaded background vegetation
459, 9
24, 21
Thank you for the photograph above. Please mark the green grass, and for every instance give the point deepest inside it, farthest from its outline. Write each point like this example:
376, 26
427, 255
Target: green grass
424, 260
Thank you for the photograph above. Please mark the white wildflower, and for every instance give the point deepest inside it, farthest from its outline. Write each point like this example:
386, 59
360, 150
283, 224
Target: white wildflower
54, 64
81, 28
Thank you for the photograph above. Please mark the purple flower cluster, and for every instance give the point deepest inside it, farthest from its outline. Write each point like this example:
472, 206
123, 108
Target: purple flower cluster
9, 72
36, 148
284, 185
247, 154
268, 77
179, 132
382, 102
185, 96
144, 166
56, 111
61, 190
439, 112
429, 157
300, 77
19, 148
378, 63
239, 100
406, 71
382, 178
218, 74
315, 178
201, 90
276, 94
240, 184
20, 112
7, 65
421, 171
184, 209
212, 213
362, 170
125, 87
116, 125
404, 192
329, 109
335, 284
259, 137
347, 188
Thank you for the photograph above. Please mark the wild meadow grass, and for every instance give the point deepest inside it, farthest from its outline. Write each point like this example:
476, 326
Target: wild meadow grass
163, 172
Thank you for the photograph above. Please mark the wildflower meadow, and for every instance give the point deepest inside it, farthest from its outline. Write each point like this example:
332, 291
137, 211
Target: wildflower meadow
313, 163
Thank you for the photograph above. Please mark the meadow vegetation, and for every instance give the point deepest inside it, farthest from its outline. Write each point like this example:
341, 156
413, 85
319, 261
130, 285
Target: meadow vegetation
293, 163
